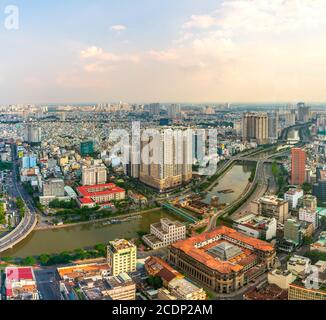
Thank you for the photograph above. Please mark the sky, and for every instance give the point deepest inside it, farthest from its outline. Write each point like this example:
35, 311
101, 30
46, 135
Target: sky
164, 51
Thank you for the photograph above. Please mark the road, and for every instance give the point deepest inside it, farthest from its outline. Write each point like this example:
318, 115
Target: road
46, 284
26, 226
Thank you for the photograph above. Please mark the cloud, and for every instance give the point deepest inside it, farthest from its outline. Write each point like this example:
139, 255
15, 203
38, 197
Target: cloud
201, 22
118, 27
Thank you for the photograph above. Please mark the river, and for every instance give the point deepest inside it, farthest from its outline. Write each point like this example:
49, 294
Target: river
236, 179
81, 236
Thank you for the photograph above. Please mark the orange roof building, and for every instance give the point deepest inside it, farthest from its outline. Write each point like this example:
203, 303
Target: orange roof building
221, 259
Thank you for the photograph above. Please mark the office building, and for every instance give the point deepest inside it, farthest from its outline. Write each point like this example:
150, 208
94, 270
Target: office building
86, 148
122, 256
255, 127
292, 196
164, 233
223, 260
166, 161
199, 146
298, 166
272, 207
94, 175
28, 162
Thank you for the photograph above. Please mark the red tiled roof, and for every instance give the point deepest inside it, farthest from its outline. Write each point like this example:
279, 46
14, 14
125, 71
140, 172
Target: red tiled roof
104, 189
85, 200
201, 255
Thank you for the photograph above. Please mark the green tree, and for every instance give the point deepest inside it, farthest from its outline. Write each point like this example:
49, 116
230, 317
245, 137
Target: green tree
155, 282
44, 259
29, 261
2, 214
307, 187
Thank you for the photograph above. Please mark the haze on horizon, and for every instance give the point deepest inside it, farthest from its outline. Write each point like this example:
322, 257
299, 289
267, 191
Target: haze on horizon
164, 50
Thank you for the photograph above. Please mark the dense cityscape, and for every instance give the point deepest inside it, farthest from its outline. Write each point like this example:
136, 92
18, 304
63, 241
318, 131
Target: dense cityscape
162, 157
165, 229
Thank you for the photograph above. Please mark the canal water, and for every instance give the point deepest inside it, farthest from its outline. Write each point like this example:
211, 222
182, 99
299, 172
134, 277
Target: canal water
235, 179
71, 238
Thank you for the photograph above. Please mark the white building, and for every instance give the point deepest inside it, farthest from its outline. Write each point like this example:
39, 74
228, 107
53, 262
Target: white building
185, 290
310, 216
299, 265
293, 196
257, 227
281, 278
164, 233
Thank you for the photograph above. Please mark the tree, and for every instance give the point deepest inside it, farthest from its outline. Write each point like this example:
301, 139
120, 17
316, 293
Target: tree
101, 249
2, 214
306, 187
155, 282
29, 261
323, 223
44, 259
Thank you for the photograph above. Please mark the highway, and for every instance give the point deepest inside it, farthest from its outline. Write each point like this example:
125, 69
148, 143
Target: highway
28, 223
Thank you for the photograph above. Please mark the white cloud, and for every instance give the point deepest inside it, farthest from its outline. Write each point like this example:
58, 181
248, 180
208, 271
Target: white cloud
200, 22
118, 27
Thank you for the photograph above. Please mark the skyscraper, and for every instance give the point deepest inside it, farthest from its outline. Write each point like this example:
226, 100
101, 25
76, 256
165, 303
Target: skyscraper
273, 127
33, 133
174, 111
298, 166
155, 109
304, 112
166, 160
255, 127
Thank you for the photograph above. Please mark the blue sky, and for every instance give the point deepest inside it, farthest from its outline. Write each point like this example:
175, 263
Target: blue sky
164, 50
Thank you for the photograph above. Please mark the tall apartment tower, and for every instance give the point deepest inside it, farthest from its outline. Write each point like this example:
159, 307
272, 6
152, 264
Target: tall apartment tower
173, 111
273, 127
155, 109
33, 134
94, 175
255, 127
166, 160
298, 166
304, 112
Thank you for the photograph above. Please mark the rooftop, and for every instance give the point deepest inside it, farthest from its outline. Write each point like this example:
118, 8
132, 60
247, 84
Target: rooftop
198, 247
120, 244
99, 190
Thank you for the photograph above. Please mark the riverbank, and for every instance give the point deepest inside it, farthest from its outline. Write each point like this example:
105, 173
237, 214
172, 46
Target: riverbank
69, 225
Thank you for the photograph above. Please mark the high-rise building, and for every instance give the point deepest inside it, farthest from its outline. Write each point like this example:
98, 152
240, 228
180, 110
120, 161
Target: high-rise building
53, 187
273, 127
33, 133
155, 109
319, 189
29, 162
293, 231
174, 111
94, 175
166, 160
304, 112
255, 127
86, 148
298, 166
121, 256
199, 145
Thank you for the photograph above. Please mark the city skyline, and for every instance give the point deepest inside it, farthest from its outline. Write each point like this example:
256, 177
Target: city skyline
246, 51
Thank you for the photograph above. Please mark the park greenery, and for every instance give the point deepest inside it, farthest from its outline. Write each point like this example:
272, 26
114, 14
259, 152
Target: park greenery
315, 256
280, 176
155, 281
5, 166
2, 214
65, 257
57, 204
21, 207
